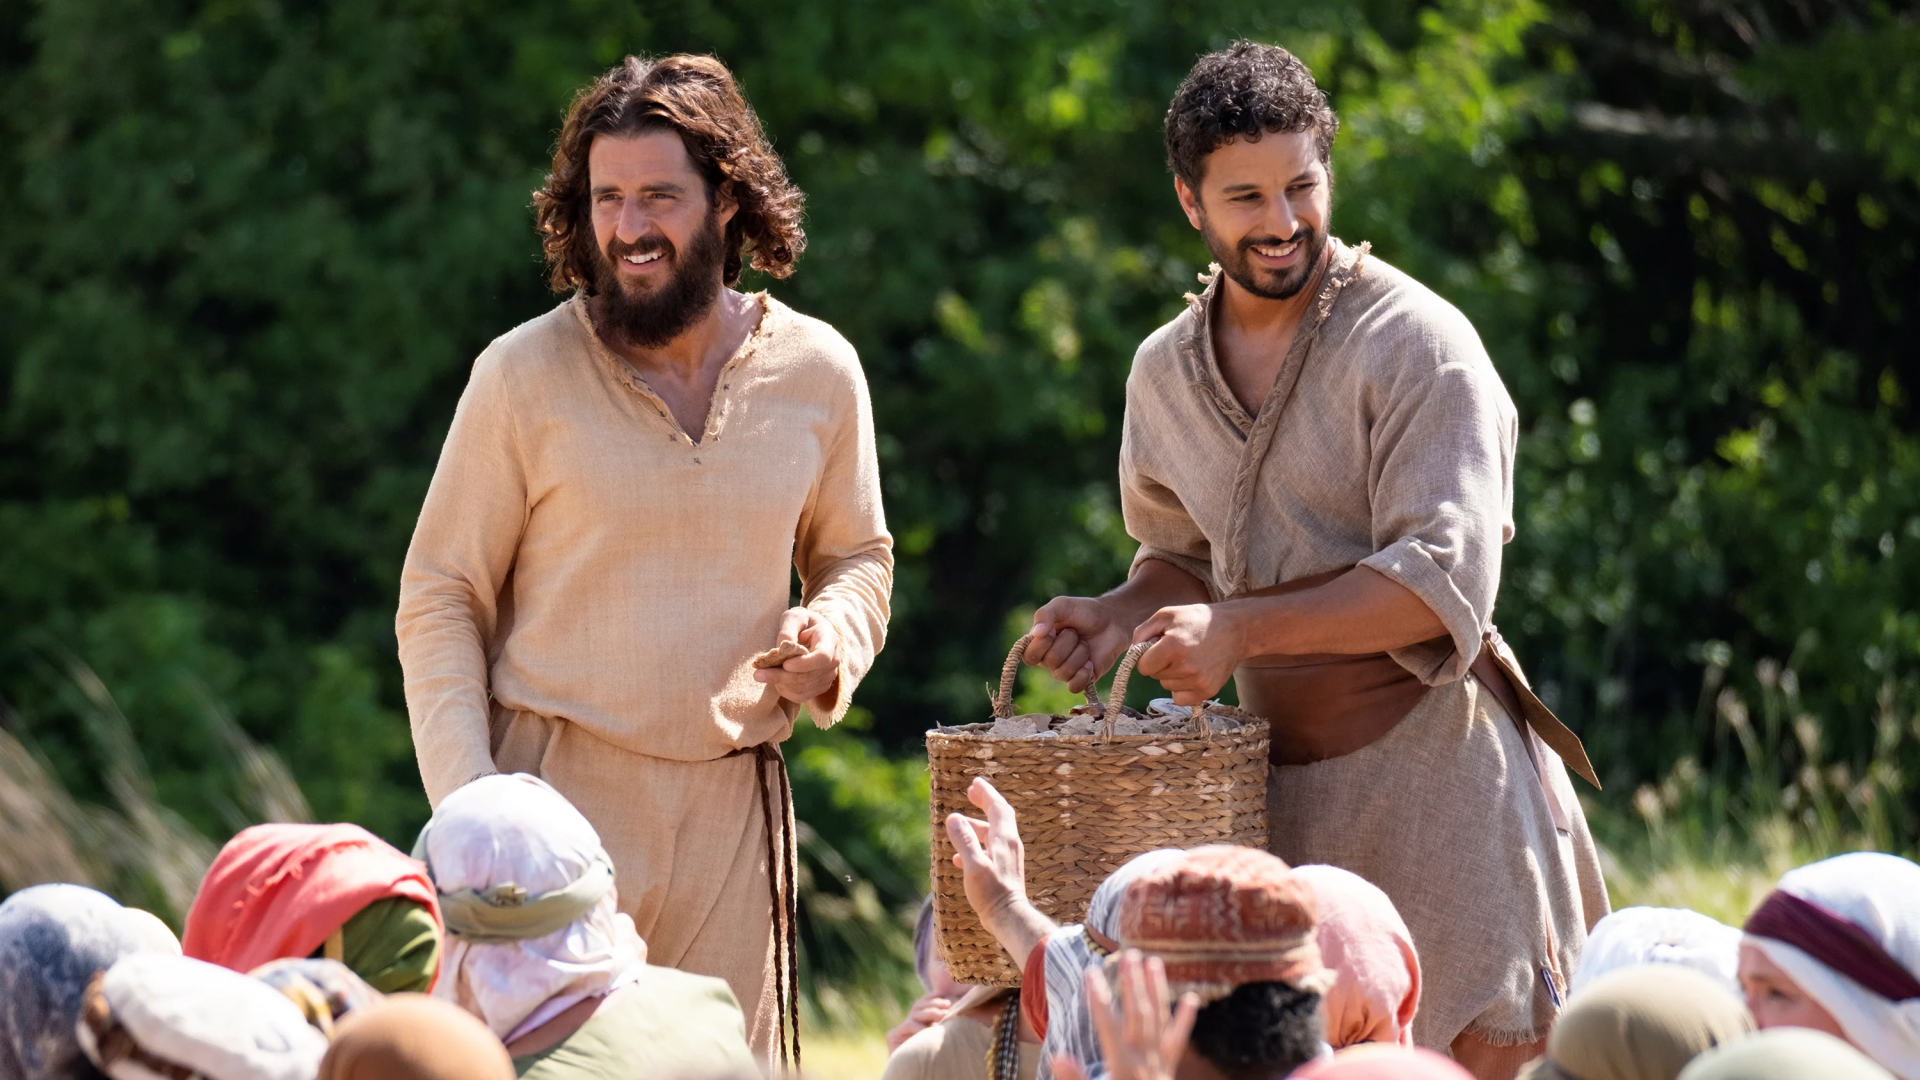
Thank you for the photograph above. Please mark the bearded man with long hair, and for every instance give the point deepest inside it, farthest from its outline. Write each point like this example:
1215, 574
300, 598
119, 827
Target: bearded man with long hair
597, 588
1317, 462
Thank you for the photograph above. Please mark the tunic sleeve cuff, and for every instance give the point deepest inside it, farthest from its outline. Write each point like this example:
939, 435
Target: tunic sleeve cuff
447, 765
1408, 562
830, 707
1198, 568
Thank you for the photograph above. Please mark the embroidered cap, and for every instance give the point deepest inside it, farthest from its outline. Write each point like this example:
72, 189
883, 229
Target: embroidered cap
1221, 917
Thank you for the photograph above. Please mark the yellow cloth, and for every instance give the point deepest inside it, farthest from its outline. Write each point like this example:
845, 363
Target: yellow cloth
580, 557
955, 1049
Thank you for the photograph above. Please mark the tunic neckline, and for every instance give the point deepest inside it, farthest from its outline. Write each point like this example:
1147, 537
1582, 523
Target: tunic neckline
718, 406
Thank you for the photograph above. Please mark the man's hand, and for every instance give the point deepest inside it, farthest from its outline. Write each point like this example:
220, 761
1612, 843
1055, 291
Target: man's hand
1076, 638
929, 1010
813, 672
1140, 1037
994, 865
1199, 646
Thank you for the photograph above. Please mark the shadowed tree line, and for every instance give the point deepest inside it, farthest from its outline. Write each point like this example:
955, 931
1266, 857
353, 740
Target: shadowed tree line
252, 246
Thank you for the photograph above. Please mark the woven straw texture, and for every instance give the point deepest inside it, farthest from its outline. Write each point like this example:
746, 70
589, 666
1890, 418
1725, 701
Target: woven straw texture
1086, 804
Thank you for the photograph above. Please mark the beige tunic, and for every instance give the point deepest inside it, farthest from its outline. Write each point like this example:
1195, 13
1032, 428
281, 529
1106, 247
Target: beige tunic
587, 587
1387, 441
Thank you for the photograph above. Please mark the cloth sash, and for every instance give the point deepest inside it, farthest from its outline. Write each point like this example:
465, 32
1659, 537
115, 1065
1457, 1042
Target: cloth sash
506, 913
1834, 941
1327, 705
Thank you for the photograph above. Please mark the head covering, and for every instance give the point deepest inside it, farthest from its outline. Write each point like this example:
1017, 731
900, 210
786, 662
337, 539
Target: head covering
411, 1037
1846, 930
1653, 935
1072, 949
53, 940
394, 944
1641, 1023
505, 843
279, 892
324, 991
1375, 1061
1785, 1054
1367, 945
1222, 916
152, 1016
923, 944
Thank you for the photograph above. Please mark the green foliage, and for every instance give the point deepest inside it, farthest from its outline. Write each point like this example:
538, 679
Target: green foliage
253, 245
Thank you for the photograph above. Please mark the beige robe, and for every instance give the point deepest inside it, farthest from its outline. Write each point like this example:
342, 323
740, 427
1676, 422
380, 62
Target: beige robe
587, 587
1388, 442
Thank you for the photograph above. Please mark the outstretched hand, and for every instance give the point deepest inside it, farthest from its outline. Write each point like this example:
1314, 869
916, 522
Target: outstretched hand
1141, 1038
993, 865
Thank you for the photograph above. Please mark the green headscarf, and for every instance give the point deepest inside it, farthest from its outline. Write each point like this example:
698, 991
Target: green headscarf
393, 944
1641, 1023
1785, 1054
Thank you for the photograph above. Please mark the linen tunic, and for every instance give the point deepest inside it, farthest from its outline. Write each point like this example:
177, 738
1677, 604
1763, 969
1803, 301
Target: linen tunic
1387, 441
581, 557
587, 588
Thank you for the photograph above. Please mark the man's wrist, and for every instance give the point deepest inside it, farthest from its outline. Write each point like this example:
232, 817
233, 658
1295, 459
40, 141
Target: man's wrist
1258, 626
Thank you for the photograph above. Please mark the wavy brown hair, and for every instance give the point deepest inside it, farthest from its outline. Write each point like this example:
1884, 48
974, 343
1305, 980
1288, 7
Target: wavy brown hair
696, 97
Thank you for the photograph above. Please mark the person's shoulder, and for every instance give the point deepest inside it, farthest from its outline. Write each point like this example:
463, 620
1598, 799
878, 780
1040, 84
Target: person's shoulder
1159, 352
556, 336
803, 339
1391, 300
933, 1053
686, 986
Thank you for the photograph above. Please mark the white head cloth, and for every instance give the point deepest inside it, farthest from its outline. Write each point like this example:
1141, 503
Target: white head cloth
218, 1023
501, 829
1655, 935
1070, 953
1881, 895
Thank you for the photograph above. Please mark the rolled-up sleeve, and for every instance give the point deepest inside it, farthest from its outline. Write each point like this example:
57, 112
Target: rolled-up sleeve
842, 549
1442, 498
460, 557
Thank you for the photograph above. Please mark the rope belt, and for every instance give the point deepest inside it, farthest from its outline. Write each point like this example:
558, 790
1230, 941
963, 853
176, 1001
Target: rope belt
1003, 1057
783, 867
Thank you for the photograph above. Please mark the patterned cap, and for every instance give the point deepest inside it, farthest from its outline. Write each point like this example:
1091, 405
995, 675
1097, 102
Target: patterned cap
1221, 917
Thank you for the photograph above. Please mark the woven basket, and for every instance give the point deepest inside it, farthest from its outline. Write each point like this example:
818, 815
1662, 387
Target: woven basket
1086, 804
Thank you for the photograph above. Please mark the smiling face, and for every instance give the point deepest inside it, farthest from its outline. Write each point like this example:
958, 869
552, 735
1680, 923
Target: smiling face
1263, 207
1775, 1000
659, 233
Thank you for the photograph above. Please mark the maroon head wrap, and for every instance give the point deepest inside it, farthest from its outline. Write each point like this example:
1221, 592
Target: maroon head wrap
1834, 941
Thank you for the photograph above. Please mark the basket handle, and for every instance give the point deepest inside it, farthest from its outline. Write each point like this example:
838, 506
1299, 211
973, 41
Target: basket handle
1010, 671
1117, 693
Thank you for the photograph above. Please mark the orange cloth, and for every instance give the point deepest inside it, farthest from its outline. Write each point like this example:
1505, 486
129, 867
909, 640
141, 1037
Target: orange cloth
1366, 942
276, 892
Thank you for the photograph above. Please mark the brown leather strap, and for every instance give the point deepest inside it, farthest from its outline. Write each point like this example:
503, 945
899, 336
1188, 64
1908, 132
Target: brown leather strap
1499, 671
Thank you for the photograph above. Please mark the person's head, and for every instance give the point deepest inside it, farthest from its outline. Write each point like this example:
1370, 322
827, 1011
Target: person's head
1784, 1054
663, 187
1640, 1023
1235, 927
53, 940
1633, 936
1366, 943
409, 1037
532, 922
1379, 1061
154, 1015
1250, 142
287, 892
1836, 948
934, 976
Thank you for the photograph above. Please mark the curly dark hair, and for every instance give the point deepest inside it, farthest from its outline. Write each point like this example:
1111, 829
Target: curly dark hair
1245, 91
696, 97
1261, 1029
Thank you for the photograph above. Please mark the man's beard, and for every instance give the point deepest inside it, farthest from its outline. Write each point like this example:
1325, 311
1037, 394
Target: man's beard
1237, 261
652, 318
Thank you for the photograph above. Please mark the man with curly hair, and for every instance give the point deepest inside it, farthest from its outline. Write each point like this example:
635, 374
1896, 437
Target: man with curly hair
597, 591
1317, 462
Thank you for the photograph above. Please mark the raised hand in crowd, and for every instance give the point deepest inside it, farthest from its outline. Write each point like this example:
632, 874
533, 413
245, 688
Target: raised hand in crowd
927, 1010
1141, 1035
994, 863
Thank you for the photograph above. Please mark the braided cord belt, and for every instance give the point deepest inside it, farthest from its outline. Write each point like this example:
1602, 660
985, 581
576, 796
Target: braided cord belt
783, 869
1003, 1059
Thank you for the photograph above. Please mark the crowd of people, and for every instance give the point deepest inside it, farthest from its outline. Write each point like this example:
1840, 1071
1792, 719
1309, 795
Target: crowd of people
319, 951
1224, 962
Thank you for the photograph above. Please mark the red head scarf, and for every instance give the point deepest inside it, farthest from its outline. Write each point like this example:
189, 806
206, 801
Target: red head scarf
277, 891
